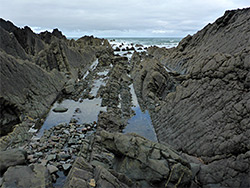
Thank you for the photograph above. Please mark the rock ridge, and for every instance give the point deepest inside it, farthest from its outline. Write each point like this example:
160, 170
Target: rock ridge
204, 112
36, 67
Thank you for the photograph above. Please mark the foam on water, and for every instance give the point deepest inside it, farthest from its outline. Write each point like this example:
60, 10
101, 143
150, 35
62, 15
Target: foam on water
146, 42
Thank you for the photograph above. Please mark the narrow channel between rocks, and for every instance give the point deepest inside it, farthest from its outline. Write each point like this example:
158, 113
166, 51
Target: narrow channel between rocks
99, 93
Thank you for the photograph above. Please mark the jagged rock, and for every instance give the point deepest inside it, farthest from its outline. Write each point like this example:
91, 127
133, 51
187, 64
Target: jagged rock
105, 179
135, 162
152, 82
66, 166
25, 86
27, 176
205, 114
146, 161
52, 169
51, 157
12, 158
10, 45
29, 87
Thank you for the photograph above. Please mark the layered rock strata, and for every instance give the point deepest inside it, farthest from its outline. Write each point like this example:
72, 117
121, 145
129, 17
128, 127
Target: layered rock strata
35, 69
199, 98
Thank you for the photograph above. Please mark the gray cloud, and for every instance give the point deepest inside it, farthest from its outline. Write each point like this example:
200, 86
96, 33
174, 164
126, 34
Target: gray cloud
117, 17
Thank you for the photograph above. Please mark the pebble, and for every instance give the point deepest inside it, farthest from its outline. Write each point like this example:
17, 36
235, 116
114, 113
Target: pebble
66, 132
55, 138
51, 157
60, 109
33, 145
52, 169
54, 177
82, 136
92, 183
38, 154
44, 162
66, 166
78, 110
73, 120
58, 146
63, 157
29, 157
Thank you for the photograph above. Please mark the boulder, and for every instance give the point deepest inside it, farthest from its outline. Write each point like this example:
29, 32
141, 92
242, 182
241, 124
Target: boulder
12, 158
27, 176
143, 160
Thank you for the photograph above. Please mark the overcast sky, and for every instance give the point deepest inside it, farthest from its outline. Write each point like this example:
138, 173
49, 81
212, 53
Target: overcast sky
120, 18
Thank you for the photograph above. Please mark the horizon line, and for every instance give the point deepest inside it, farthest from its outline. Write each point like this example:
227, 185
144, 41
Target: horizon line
73, 37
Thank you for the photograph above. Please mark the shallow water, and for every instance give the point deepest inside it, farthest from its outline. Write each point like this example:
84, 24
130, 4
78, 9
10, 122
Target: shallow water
60, 180
83, 110
140, 123
87, 112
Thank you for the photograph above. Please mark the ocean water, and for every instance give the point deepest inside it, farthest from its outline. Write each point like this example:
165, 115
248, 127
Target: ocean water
146, 42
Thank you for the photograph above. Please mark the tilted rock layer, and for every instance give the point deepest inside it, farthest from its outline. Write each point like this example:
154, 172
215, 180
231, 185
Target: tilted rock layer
203, 103
36, 67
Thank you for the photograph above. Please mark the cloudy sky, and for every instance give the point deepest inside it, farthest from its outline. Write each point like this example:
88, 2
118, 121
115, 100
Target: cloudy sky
120, 18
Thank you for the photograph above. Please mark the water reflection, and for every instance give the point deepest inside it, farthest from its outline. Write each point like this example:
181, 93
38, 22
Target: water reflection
140, 123
85, 111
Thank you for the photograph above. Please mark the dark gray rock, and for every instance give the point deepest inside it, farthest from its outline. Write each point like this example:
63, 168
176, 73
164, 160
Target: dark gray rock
52, 169
60, 109
26, 176
140, 159
12, 158
66, 166
205, 112
29, 87
106, 179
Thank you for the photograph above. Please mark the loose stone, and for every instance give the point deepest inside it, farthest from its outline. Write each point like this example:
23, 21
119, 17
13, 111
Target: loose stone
52, 169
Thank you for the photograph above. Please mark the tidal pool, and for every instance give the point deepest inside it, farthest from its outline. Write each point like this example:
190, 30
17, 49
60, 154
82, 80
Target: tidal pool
140, 123
84, 112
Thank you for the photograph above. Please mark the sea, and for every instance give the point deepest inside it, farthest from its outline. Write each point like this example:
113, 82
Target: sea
167, 42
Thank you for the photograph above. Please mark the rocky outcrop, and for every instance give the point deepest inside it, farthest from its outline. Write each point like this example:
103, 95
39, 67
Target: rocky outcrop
26, 88
27, 176
36, 68
204, 112
12, 158
118, 160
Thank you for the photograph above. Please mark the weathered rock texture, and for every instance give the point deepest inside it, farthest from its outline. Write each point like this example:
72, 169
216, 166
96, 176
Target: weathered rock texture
118, 160
35, 69
27, 176
12, 158
204, 102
